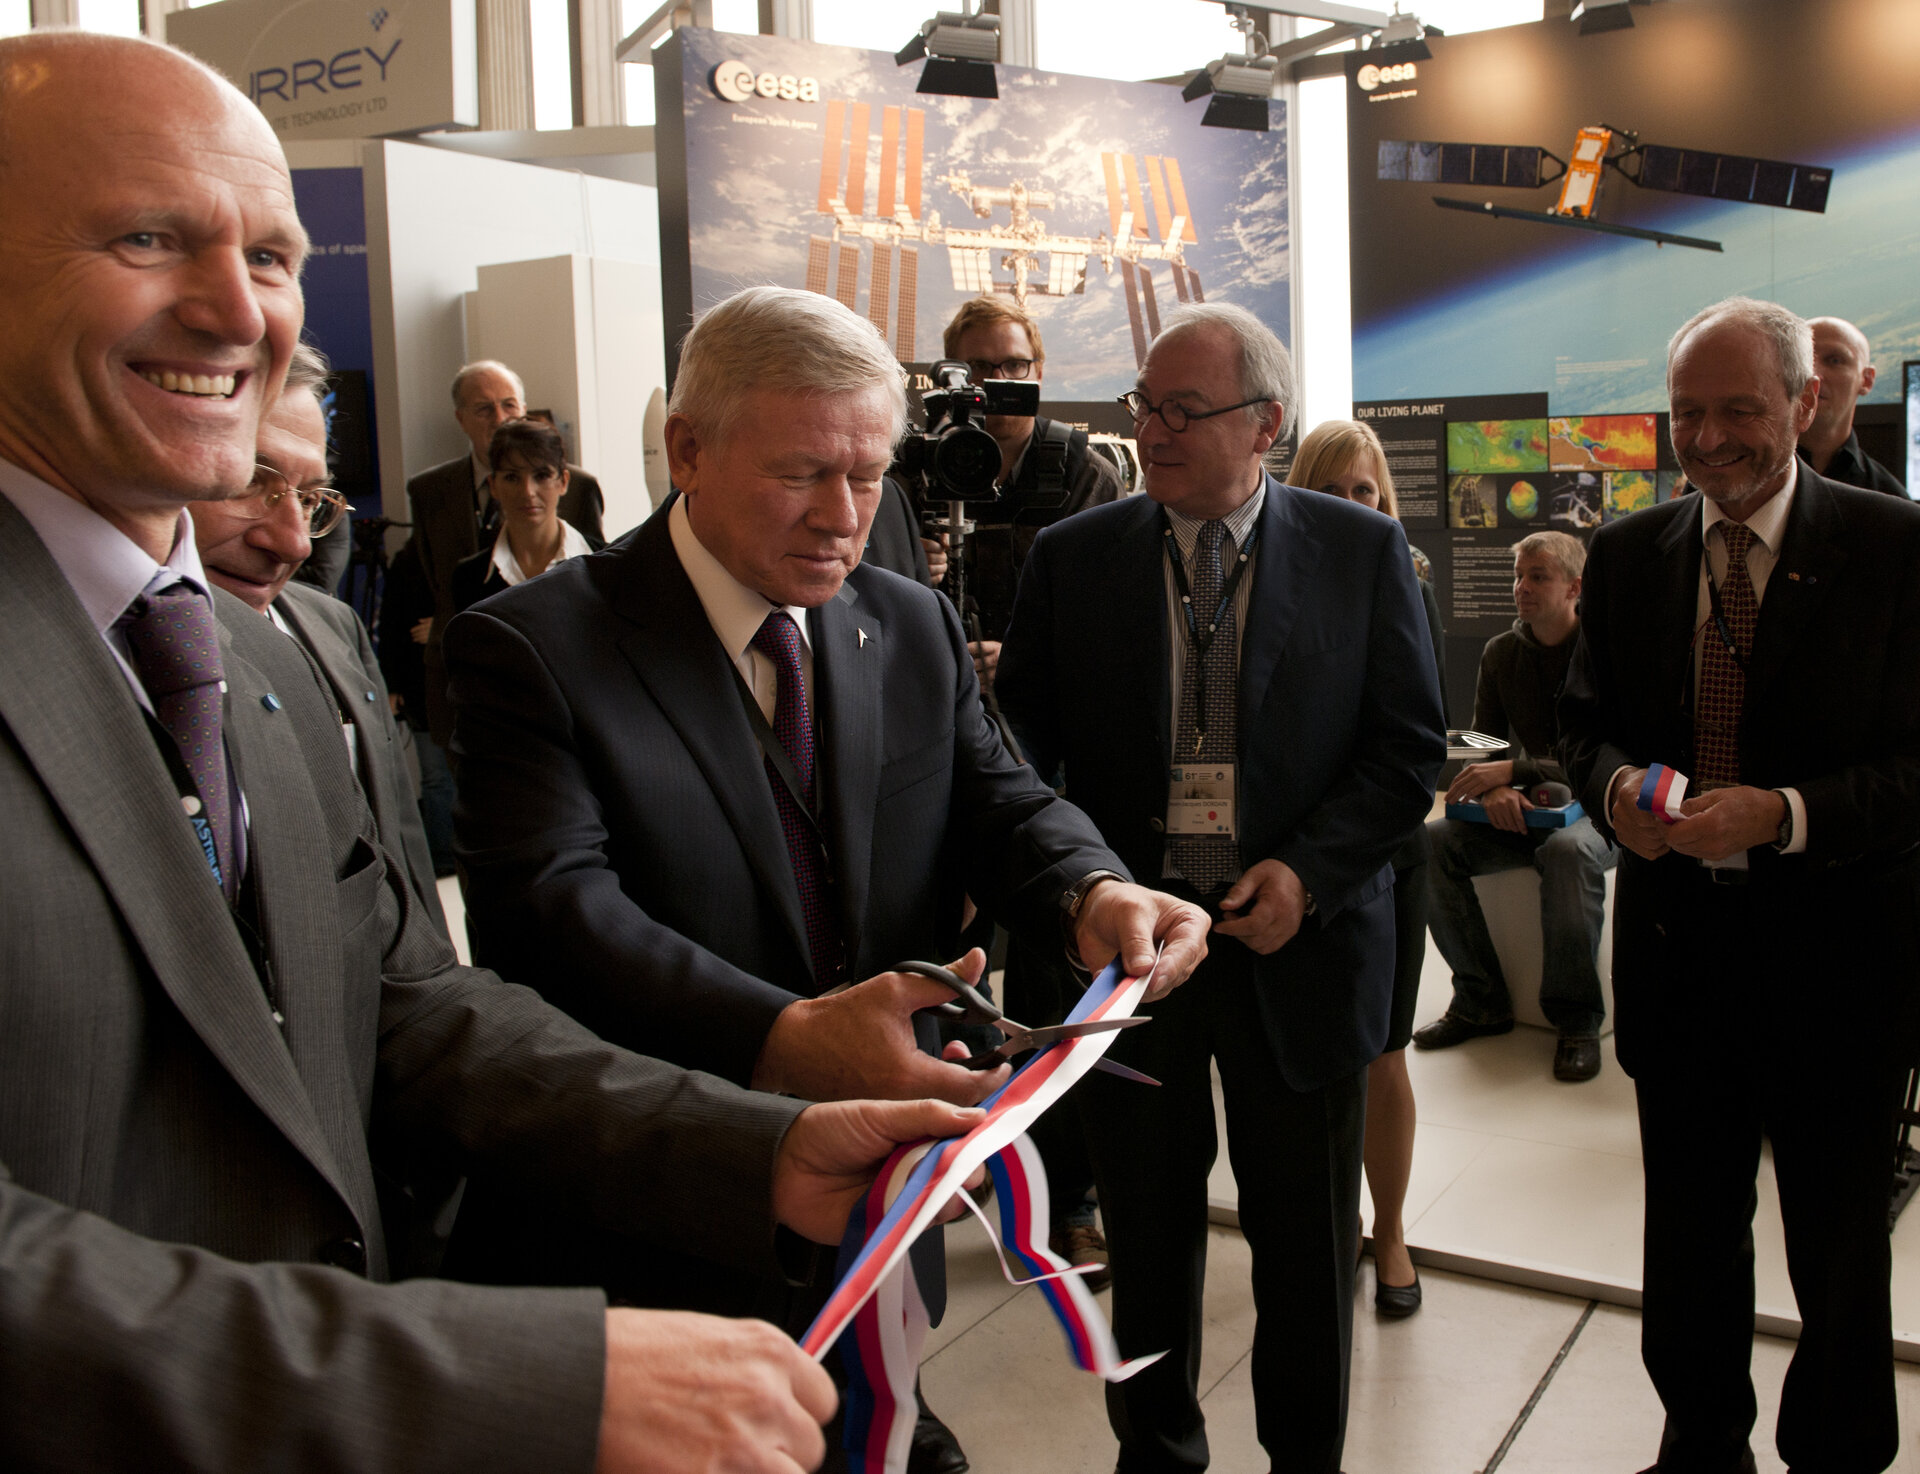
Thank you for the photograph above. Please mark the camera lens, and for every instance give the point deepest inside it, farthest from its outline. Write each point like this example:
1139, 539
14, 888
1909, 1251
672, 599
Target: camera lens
966, 461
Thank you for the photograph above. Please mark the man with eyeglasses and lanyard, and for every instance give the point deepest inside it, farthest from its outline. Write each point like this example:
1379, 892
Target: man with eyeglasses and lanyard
252, 546
1047, 472
1238, 678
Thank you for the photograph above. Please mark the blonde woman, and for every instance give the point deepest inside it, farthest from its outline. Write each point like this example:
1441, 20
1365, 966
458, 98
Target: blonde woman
1345, 458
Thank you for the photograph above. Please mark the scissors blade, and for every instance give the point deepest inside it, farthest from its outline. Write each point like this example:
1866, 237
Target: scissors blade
1054, 1033
1114, 1067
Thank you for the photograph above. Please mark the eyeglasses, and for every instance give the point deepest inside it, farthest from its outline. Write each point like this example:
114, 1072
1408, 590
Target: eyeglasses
979, 369
322, 506
1173, 416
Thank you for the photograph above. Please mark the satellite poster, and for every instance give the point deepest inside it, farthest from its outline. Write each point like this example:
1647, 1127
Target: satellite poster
1457, 302
1100, 205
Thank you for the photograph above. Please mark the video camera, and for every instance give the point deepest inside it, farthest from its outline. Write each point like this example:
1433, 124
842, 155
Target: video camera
954, 459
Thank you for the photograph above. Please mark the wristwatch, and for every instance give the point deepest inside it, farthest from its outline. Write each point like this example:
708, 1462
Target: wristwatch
1785, 836
1075, 895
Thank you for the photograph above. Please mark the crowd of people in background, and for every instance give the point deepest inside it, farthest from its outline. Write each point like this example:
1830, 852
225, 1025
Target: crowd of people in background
282, 1182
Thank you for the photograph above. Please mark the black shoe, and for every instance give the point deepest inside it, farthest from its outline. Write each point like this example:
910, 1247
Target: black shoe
935, 1450
1396, 1302
1450, 1029
1576, 1057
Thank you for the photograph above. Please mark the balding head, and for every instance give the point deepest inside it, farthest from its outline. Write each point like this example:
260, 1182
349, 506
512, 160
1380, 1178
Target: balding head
151, 252
1844, 361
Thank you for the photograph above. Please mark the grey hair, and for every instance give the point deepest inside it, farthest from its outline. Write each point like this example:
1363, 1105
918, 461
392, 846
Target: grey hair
1791, 336
307, 369
1562, 549
485, 366
1266, 369
786, 340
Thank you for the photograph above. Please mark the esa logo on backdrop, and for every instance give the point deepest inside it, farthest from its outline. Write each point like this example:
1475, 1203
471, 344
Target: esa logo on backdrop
1371, 76
736, 82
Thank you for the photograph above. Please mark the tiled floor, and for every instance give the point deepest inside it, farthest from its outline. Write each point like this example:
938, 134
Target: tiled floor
1533, 1185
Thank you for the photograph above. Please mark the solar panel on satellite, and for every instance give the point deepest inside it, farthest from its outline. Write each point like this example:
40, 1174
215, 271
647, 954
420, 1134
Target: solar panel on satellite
1734, 177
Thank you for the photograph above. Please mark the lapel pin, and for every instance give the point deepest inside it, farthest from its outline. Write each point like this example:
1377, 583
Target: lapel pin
863, 637
270, 701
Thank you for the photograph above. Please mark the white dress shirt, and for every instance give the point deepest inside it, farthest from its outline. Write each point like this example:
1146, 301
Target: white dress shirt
736, 613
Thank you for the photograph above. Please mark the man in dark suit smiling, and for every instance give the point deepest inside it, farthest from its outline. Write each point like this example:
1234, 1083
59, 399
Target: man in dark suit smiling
1238, 679
1763, 638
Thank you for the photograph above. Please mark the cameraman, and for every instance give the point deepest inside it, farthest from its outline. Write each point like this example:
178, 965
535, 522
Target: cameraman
1046, 472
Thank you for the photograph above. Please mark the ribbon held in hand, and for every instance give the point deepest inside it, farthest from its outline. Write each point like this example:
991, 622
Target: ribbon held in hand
1662, 792
877, 1296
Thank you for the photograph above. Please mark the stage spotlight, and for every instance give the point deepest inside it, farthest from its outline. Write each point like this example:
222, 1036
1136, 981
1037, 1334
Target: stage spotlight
960, 48
1594, 16
1237, 87
1402, 39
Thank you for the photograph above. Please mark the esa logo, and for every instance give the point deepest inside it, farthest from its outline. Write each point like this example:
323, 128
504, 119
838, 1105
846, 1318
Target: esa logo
1371, 76
736, 82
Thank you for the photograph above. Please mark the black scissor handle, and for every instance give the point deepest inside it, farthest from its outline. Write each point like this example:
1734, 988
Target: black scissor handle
969, 1002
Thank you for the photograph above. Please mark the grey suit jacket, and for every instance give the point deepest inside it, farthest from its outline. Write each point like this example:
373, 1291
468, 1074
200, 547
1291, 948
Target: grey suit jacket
178, 1175
336, 639
444, 533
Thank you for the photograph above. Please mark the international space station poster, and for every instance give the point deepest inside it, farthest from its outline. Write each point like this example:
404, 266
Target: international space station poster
1101, 205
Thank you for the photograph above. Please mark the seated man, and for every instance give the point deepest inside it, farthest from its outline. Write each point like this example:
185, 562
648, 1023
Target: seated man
1520, 676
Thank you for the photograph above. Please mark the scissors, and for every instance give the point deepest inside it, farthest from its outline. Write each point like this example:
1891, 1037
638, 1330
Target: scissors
973, 1007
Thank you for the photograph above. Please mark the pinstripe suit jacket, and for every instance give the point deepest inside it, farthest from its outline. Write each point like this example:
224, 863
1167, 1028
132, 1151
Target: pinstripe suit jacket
178, 1175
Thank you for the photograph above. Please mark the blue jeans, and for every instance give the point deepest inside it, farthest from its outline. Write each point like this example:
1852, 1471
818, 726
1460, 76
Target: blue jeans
436, 801
1572, 865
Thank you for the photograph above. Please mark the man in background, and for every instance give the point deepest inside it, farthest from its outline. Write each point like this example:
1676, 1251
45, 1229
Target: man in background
1264, 758
452, 513
252, 546
1844, 361
1047, 472
1521, 672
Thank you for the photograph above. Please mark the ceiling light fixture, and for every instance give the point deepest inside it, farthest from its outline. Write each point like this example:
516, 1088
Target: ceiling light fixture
1594, 16
960, 48
1237, 88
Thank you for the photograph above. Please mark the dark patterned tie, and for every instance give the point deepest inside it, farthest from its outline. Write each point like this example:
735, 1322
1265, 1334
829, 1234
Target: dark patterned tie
1723, 679
1209, 861
176, 653
779, 640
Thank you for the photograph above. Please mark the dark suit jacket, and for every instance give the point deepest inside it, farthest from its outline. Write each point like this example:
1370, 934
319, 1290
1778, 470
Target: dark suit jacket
1832, 709
1340, 731
336, 639
445, 531
622, 849
475, 579
176, 1172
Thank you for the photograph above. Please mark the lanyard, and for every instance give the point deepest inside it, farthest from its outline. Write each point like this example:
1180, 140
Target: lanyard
1197, 645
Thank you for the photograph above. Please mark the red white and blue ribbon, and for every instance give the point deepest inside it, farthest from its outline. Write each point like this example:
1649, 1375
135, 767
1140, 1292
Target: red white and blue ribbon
1662, 792
876, 1295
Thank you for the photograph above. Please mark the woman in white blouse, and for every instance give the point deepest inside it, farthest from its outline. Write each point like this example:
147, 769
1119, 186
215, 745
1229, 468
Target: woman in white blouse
529, 476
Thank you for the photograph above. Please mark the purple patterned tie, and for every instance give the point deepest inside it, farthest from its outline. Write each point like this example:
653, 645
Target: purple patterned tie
176, 652
779, 640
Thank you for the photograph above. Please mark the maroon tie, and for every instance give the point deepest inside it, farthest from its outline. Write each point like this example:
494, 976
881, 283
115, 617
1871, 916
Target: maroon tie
176, 653
1723, 676
779, 640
